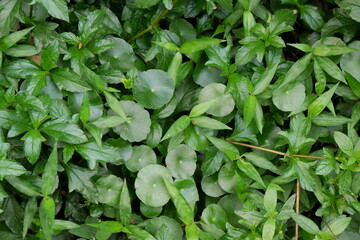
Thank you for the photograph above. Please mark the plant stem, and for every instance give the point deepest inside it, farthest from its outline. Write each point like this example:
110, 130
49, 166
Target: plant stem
297, 208
274, 151
152, 25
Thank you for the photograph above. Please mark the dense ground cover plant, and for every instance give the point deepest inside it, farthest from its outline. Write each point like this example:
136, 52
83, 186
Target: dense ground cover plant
123, 119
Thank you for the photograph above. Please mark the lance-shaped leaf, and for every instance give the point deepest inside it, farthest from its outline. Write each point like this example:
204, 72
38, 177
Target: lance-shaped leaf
182, 206
56, 8
9, 40
125, 204
66, 79
47, 216
332, 50
210, 123
330, 68
23, 186
297, 68
306, 223
230, 150
250, 171
321, 102
265, 79
32, 145
10, 168
195, 45
178, 126
50, 173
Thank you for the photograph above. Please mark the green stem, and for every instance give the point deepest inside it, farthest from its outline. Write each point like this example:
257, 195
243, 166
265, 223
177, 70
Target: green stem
152, 25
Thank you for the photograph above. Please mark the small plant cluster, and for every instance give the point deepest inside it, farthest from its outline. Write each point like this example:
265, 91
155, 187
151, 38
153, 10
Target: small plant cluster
161, 119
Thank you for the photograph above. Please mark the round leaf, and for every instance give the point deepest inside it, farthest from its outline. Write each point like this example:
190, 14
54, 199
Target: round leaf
225, 103
229, 179
141, 157
150, 187
211, 187
289, 97
181, 162
109, 189
121, 56
138, 126
149, 212
153, 88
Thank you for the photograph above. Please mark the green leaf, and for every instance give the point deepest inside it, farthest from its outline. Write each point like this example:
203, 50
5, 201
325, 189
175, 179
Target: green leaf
301, 46
150, 186
310, 14
249, 22
289, 97
139, 232
305, 223
249, 110
95, 80
137, 124
225, 103
22, 68
320, 78
181, 162
141, 156
109, 189
32, 145
177, 127
268, 230
344, 143
10, 168
330, 68
210, 123
354, 84
338, 225
146, 3
192, 232
64, 130
50, 56
201, 108
30, 210
270, 197
168, 45
250, 171
329, 120
297, 68
109, 226
50, 173
23, 186
21, 51
66, 79
108, 121
9, 40
85, 109
93, 153
174, 68
47, 216
321, 102
230, 150
332, 50
195, 45
125, 205
115, 105
153, 88
183, 208
56, 8
265, 79
261, 162
80, 180
10, 10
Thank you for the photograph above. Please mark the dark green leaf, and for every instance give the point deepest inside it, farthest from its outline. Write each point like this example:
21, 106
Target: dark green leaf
56, 8
50, 173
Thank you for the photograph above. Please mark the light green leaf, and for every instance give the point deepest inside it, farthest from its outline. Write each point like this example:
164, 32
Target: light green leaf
249, 109
9, 40
56, 8
310, 14
305, 223
125, 204
344, 143
109, 189
329, 120
32, 145
330, 68
23, 186
270, 197
250, 171
50, 56
321, 102
354, 84
301, 46
108, 121
153, 88
338, 225
225, 147
289, 97
66, 79
10, 168
109, 226
150, 186
84, 109
201, 108
47, 216
332, 50
265, 79
168, 45
182, 206
195, 45
178, 126
30, 210
49, 176
268, 230
146, 3
141, 156
210, 123
297, 68
21, 51
192, 232
181, 161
